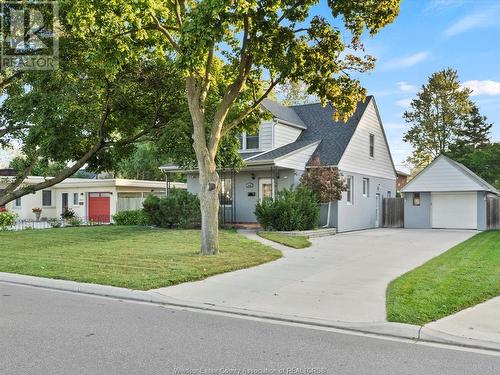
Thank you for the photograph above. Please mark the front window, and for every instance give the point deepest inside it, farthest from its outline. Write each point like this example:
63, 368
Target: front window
249, 141
18, 202
46, 198
75, 199
252, 141
350, 189
416, 199
372, 145
366, 187
226, 197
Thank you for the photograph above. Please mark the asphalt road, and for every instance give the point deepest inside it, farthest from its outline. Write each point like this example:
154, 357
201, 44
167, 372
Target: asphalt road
50, 332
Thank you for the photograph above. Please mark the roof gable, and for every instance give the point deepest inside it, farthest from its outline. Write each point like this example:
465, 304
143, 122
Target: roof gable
334, 136
356, 157
283, 113
445, 174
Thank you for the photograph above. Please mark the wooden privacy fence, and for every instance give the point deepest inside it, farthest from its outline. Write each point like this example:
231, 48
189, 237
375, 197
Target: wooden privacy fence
393, 212
493, 213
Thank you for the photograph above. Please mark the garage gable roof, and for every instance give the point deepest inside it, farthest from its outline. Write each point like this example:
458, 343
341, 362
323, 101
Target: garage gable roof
445, 174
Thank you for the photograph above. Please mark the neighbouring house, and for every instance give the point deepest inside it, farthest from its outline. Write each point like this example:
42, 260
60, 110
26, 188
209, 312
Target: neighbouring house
278, 154
448, 195
401, 180
90, 199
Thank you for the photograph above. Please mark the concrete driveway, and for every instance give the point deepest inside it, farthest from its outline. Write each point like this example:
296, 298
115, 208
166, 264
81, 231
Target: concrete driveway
340, 278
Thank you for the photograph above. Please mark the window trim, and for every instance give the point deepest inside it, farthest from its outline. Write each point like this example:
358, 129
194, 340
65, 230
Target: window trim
47, 205
366, 187
350, 190
244, 141
416, 200
77, 196
371, 145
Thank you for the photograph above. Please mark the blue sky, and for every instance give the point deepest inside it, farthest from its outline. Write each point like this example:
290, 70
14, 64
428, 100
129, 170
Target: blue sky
426, 37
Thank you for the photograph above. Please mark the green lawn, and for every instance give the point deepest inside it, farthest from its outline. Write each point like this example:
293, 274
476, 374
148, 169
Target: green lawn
132, 257
297, 242
464, 276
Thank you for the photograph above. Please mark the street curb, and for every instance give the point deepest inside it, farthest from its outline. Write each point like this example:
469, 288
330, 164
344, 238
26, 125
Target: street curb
387, 329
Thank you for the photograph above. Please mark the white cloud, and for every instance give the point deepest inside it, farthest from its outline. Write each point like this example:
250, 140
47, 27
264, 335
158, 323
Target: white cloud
407, 61
486, 87
484, 18
405, 86
404, 103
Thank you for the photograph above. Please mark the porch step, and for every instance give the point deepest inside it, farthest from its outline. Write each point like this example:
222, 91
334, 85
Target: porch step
310, 233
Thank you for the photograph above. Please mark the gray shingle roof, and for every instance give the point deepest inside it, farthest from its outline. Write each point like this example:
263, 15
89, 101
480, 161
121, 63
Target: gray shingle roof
334, 135
280, 151
283, 113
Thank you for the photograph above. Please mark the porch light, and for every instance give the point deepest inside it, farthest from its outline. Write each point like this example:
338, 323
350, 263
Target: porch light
253, 176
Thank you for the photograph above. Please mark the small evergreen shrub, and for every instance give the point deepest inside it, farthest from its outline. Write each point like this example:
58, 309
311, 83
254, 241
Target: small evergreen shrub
131, 217
7, 219
179, 209
295, 209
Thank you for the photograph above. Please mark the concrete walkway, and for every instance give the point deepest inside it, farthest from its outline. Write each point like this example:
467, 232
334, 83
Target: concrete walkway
480, 322
340, 278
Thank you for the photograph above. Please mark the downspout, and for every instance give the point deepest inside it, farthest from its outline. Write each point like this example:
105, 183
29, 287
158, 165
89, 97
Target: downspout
327, 225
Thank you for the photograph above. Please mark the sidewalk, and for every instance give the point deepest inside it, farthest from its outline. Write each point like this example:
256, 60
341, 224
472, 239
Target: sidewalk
478, 323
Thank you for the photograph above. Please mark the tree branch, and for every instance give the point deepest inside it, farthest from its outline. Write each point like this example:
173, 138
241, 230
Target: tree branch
250, 109
165, 32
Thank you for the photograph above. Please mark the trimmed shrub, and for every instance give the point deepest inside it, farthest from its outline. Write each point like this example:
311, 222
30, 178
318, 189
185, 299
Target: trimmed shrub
179, 209
295, 209
131, 217
6, 219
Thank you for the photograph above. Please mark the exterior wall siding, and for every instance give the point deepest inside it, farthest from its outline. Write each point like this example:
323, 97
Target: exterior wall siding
357, 158
266, 135
244, 185
442, 176
299, 159
362, 213
417, 217
284, 134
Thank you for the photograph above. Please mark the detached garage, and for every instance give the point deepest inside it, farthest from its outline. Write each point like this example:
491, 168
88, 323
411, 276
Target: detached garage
446, 195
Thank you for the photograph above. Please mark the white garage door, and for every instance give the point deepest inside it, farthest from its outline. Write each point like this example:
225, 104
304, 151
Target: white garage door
454, 210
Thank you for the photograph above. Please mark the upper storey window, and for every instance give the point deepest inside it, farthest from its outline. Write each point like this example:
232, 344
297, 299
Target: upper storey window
249, 141
372, 145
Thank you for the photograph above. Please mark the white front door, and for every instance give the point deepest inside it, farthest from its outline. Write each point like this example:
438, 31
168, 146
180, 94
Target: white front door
266, 188
454, 210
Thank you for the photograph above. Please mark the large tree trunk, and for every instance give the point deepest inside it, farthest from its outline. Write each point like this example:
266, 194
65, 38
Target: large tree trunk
209, 204
209, 178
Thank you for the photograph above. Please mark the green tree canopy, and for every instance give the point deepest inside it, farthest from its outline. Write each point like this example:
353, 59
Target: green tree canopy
231, 55
444, 119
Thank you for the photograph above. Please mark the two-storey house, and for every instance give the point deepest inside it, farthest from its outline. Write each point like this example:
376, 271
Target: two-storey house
279, 153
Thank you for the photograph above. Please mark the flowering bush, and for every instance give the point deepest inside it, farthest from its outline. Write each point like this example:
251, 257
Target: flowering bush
36, 210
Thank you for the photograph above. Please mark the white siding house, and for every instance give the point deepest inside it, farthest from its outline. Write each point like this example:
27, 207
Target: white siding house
358, 148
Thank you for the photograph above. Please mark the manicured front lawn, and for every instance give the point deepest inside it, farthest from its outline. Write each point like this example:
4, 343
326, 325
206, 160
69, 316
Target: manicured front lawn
297, 242
132, 257
464, 276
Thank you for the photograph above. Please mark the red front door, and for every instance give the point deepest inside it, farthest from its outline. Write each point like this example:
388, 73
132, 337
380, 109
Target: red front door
99, 207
